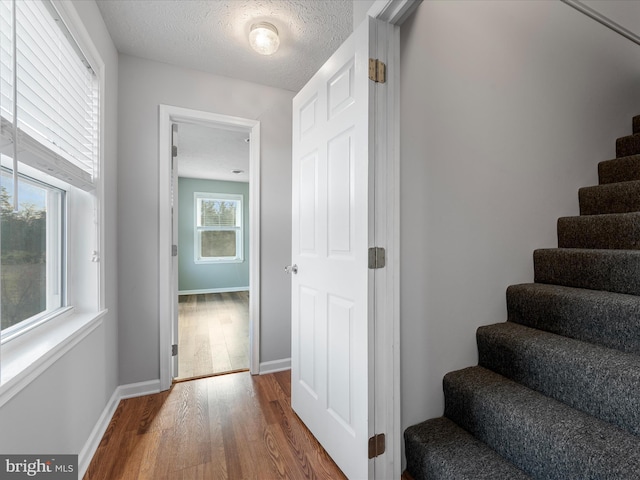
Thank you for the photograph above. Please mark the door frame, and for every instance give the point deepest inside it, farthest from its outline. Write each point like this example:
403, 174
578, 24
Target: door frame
167, 298
387, 400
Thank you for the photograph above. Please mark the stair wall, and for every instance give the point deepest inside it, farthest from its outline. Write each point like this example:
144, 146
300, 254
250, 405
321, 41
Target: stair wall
556, 393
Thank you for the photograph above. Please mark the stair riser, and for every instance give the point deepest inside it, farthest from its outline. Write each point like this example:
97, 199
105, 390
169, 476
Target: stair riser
619, 170
627, 146
610, 270
614, 231
615, 198
602, 382
543, 437
603, 318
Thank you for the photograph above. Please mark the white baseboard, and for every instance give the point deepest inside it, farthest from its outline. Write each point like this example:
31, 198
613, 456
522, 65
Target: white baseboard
138, 389
120, 393
213, 290
275, 366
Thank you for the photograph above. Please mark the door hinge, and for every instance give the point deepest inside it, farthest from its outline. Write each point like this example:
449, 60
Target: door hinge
377, 257
174, 250
376, 445
174, 151
174, 349
377, 71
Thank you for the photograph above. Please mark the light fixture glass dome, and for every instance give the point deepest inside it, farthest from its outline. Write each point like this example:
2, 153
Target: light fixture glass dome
263, 38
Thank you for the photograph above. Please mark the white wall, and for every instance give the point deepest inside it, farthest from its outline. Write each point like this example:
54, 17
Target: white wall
58, 410
360, 9
143, 86
506, 108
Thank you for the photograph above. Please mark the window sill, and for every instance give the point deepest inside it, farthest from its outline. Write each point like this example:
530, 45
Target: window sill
25, 357
200, 261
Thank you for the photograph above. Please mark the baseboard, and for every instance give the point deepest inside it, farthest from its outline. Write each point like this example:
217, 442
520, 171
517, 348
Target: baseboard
120, 393
138, 389
213, 290
275, 366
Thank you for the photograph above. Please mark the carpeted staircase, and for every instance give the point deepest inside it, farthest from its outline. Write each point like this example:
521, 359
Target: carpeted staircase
556, 393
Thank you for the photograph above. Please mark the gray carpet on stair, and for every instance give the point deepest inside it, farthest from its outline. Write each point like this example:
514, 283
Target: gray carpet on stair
629, 145
612, 231
611, 270
600, 381
604, 318
543, 437
619, 170
621, 197
438, 448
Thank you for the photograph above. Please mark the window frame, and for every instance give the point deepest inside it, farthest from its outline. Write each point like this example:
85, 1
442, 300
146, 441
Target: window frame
198, 229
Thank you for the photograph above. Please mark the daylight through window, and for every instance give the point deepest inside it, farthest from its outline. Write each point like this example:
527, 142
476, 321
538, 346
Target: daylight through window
218, 228
31, 273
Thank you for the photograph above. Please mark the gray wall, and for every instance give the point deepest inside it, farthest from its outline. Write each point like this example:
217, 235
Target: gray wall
360, 9
506, 108
58, 410
143, 86
208, 276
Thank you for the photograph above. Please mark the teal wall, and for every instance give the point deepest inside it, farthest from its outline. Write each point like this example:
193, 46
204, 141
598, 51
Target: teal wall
192, 276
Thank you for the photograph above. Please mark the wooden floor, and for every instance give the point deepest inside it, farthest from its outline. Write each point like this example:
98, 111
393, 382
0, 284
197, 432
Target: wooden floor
234, 426
213, 334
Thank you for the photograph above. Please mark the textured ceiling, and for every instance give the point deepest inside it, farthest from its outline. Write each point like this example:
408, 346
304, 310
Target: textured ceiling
205, 152
212, 35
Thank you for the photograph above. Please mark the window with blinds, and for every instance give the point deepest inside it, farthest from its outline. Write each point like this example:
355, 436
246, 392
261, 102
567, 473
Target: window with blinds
48, 94
49, 151
218, 228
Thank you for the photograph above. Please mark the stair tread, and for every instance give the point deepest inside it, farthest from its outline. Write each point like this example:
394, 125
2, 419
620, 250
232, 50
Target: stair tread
438, 448
600, 381
621, 169
619, 197
628, 145
596, 269
542, 436
606, 318
606, 231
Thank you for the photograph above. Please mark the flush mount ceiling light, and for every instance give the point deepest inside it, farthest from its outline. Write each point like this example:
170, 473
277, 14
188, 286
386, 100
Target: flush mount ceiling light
263, 38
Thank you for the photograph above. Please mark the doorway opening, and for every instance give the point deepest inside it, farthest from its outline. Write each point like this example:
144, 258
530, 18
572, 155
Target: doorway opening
213, 234
222, 236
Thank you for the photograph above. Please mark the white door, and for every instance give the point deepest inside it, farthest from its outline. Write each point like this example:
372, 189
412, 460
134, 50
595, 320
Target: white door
332, 315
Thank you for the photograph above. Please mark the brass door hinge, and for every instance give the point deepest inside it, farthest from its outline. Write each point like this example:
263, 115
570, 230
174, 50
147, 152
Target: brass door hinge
376, 445
377, 71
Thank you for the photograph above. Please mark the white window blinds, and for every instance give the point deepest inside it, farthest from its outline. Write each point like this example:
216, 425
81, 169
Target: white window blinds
41, 66
218, 213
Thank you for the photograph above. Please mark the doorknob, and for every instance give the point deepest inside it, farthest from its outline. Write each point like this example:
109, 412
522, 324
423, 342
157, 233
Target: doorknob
291, 269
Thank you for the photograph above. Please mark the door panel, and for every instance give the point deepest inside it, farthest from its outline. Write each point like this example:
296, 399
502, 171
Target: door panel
332, 368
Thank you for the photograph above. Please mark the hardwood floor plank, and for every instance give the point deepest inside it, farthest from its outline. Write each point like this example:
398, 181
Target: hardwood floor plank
213, 333
234, 426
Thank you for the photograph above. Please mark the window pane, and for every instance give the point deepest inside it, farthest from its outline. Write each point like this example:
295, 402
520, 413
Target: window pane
30, 273
218, 244
218, 213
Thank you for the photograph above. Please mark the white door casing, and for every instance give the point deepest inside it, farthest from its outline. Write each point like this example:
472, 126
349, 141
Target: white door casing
174, 245
333, 225
169, 114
